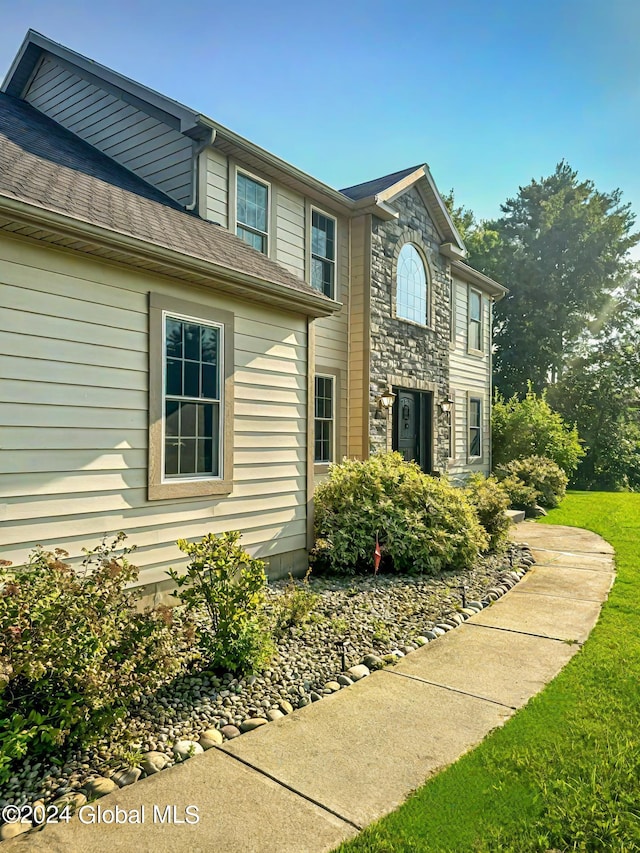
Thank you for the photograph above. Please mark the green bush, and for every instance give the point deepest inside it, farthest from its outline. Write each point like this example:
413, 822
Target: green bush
423, 524
226, 588
543, 475
75, 651
520, 495
295, 606
491, 502
530, 427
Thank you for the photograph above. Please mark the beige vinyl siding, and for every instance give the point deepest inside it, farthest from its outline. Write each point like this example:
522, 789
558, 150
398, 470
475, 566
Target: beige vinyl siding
74, 423
290, 229
358, 440
470, 375
217, 187
332, 341
156, 152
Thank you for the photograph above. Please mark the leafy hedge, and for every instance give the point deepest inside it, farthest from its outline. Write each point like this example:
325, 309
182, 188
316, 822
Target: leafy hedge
530, 427
226, 588
74, 649
521, 496
423, 524
490, 501
547, 479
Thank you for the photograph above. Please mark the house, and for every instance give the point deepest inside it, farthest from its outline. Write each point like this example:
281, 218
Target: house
193, 329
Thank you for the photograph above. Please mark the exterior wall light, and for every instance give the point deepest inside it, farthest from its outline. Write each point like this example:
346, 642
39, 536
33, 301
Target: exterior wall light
446, 406
385, 400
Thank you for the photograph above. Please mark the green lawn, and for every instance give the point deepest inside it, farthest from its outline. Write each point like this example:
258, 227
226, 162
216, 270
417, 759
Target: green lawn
564, 773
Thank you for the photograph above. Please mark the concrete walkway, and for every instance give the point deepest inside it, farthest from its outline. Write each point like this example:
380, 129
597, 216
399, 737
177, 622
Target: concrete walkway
313, 779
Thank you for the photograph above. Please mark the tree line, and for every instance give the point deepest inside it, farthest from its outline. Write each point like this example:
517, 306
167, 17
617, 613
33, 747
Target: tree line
569, 329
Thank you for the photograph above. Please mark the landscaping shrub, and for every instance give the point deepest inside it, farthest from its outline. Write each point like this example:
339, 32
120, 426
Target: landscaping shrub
491, 502
530, 427
520, 495
75, 651
294, 606
423, 524
225, 587
543, 475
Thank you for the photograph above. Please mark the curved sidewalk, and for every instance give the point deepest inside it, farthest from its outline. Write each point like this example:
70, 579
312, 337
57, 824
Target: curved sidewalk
308, 781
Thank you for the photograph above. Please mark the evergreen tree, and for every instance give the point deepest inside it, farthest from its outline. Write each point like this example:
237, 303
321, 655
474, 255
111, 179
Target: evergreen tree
561, 248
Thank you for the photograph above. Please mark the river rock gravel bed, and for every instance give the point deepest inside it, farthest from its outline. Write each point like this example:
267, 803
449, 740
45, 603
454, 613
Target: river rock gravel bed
358, 624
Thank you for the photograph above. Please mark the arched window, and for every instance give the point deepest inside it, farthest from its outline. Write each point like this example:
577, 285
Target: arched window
412, 285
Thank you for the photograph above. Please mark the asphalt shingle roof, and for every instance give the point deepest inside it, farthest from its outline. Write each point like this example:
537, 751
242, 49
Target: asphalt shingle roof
377, 185
45, 165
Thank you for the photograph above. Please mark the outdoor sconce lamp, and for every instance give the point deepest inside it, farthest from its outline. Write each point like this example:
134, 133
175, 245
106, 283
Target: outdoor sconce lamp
446, 406
385, 401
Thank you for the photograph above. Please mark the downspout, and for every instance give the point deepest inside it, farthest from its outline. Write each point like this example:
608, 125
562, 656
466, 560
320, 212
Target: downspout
205, 137
491, 301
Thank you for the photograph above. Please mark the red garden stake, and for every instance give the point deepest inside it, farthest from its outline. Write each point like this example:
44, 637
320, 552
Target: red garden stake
377, 556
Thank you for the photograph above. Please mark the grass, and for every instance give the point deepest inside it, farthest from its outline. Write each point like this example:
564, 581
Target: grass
564, 773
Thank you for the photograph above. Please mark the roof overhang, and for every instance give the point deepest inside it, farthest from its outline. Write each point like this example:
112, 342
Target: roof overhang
468, 274
39, 223
381, 205
234, 145
176, 115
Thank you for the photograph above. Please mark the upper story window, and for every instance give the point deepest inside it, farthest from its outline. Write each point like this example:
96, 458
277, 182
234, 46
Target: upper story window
323, 253
252, 203
452, 310
475, 321
412, 286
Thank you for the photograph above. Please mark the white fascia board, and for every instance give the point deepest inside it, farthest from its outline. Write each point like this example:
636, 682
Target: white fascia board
469, 274
443, 211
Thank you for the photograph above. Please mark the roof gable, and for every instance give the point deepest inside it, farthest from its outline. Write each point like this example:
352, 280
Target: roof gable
187, 121
381, 192
369, 189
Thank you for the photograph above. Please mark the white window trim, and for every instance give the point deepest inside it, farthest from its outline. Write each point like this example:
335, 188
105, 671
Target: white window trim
452, 430
453, 292
334, 383
479, 322
312, 209
472, 398
159, 486
190, 478
267, 234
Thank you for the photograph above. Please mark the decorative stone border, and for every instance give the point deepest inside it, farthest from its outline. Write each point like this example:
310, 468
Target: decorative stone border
155, 761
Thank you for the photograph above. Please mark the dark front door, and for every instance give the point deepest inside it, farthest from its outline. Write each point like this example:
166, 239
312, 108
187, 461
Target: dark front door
412, 426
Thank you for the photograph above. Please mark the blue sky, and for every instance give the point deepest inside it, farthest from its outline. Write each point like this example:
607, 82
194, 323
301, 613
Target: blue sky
489, 94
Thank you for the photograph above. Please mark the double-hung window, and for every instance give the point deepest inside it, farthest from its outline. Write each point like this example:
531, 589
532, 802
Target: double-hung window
475, 428
252, 212
323, 253
190, 399
452, 310
324, 419
451, 434
475, 321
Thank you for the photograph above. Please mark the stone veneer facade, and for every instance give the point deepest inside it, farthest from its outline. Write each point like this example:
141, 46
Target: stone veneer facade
405, 353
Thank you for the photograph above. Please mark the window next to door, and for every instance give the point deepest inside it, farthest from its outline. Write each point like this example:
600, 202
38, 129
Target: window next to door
475, 429
324, 411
